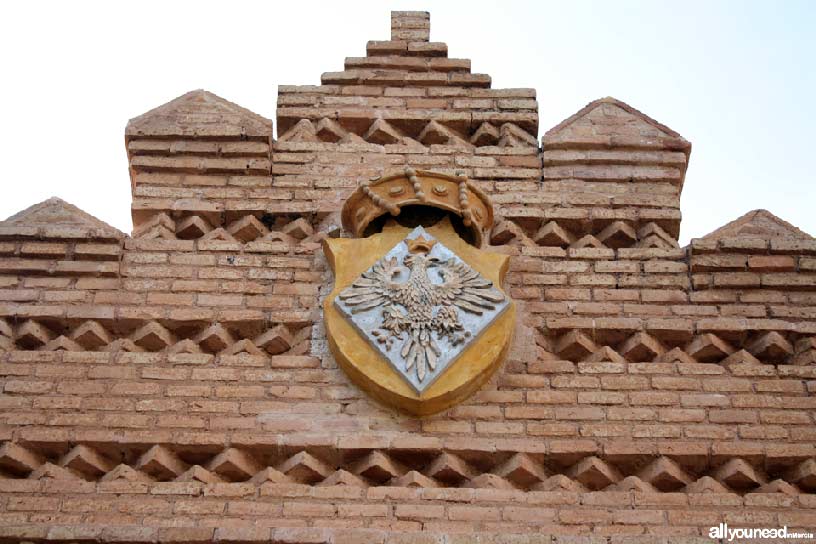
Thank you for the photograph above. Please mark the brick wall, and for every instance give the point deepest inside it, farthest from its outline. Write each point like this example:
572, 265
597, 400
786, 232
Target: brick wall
175, 385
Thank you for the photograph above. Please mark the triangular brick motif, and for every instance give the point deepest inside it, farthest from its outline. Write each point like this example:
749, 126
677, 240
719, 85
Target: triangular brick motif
559, 482
575, 345
378, 467
329, 130
675, 355
486, 134
587, 241
633, 483
777, 486
521, 470
738, 474
594, 473
200, 113
87, 461
605, 354
283, 240
437, 133
91, 335
270, 475
61, 343
552, 234
197, 473
771, 346
758, 224
617, 234
55, 212
53, 472
276, 340
244, 347
652, 236
511, 135
488, 481
384, 133
247, 229
665, 474
505, 231
414, 478
740, 357
123, 344
125, 473
18, 459
641, 347
153, 337
192, 227
160, 226
161, 463
803, 475
304, 467
709, 348
185, 346
220, 235
303, 131
706, 484
298, 229
215, 338
805, 351
449, 468
234, 465
6, 328
32, 335
345, 478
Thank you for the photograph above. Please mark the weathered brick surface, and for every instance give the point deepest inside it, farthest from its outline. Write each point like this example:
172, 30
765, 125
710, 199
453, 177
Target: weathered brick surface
175, 385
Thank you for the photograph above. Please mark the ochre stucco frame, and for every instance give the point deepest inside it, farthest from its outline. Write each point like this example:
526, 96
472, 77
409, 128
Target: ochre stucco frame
349, 258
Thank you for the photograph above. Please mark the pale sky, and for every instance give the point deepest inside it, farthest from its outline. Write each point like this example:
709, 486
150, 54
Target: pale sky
737, 79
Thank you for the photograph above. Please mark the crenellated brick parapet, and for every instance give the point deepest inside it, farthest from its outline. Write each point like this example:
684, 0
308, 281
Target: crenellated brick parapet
176, 384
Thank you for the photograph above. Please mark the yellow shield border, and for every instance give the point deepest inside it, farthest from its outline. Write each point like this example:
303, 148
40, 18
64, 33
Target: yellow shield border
367, 368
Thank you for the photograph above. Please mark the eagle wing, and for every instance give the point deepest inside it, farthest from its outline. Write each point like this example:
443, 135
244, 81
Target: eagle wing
375, 287
464, 287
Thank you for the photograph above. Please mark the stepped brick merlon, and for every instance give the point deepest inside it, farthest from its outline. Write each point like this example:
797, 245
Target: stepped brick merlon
407, 81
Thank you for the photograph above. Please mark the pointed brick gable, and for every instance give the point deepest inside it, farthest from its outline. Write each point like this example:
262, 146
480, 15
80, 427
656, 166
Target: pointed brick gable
200, 113
55, 239
608, 122
55, 218
758, 224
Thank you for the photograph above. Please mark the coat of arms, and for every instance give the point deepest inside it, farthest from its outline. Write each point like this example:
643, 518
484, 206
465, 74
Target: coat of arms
417, 316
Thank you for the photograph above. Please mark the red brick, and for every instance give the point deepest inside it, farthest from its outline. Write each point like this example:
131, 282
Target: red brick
474, 513
201, 164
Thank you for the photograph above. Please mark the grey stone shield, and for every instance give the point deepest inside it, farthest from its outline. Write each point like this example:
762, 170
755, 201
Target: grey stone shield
370, 322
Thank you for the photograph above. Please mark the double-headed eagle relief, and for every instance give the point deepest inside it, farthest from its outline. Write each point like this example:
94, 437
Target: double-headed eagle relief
417, 317
421, 306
